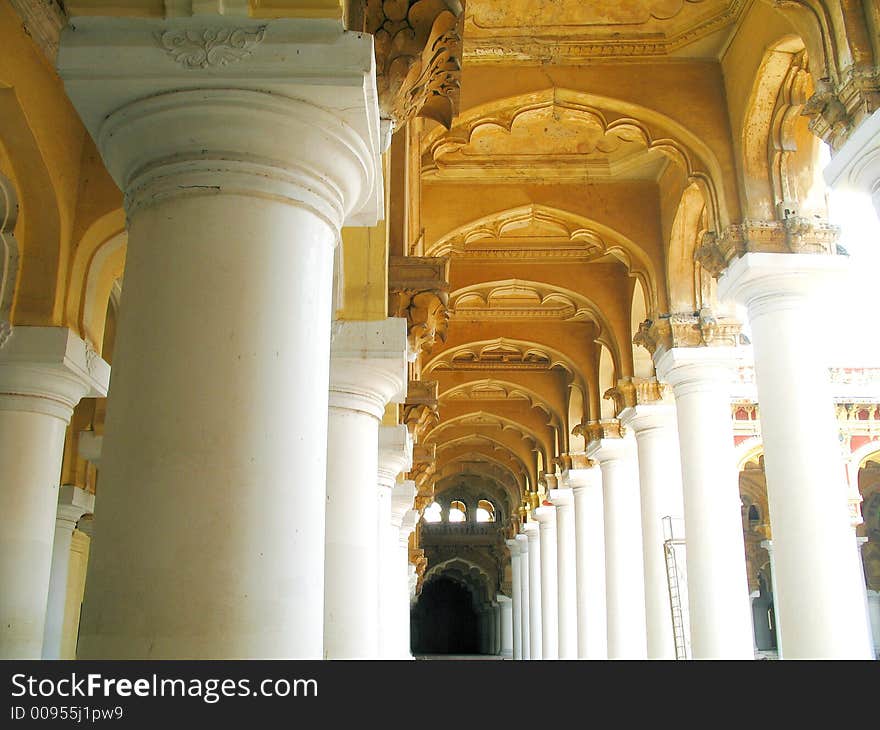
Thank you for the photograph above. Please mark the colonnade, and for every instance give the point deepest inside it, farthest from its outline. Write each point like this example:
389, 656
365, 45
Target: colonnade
673, 456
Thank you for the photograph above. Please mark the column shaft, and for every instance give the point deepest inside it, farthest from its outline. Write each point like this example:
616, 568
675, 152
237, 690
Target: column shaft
624, 566
516, 600
508, 627
546, 517
718, 597
661, 496
525, 614
536, 632
820, 586
563, 500
589, 516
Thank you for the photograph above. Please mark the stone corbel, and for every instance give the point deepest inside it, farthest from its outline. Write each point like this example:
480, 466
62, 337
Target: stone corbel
795, 234
418, 45
597, 431
419, 291
423, 468
631, 392
419, 412
701, 329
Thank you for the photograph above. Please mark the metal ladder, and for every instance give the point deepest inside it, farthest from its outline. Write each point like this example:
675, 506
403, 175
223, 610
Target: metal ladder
679, 628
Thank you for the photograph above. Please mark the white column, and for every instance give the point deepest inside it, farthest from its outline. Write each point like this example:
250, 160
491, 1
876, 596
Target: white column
516, 600
874, 614
624, 566
525, 614
546, 517
718, 595
768, 546
367, 371
563, 501
507, 626
660, 491
395, 456
856, 165
496, 647
73, 503
589, 519
44, 372
536, 635
404, 520
238, 174
821, 586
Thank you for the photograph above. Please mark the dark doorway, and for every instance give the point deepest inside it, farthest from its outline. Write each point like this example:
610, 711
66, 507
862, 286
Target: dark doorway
444, 620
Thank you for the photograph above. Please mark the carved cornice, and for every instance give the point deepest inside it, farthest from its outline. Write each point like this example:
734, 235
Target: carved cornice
702, 329
419, 412
632, 392
419, 292
793, 235
577, 49
418, 55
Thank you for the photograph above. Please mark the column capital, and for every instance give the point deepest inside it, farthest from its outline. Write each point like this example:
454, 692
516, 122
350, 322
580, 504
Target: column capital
648, 417
395, 454
503, 600
689, 369
49, 370
368, 367
609, 448
630, 392
512, 545
402, 497
856, 164
531, 531
212, 104
73, 503
583, 478
546, 516
90, 446
407, 527
522, 540
562, 497
680, 330
765, 281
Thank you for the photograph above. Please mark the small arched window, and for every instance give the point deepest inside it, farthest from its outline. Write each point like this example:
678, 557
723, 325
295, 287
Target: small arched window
754, 515
457, 511
485, 511
433, 513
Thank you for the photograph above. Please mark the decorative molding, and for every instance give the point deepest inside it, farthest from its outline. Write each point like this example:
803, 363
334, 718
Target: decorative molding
632, 392
418, 45
419, 292
796, 234
602, 42
837, 110
210, 47
9, 255
701, 329
419, 412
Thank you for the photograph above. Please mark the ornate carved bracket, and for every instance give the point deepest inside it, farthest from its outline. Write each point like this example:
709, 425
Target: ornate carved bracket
701, 329
418, 55
598, 430
423, 468
835, 111
419, 291
419, 412
632, 392
582, 461
792, 235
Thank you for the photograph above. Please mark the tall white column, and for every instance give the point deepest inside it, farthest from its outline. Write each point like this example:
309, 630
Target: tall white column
516, 600
856, 165
525, 615
496, 646
624, 566
404, 520
589, 519
718, 595
507, 626
395, 456
821, 594
656, 434
239, 168
536, 635
44, 372
563, 501
73, 503
367, 371
546, 517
